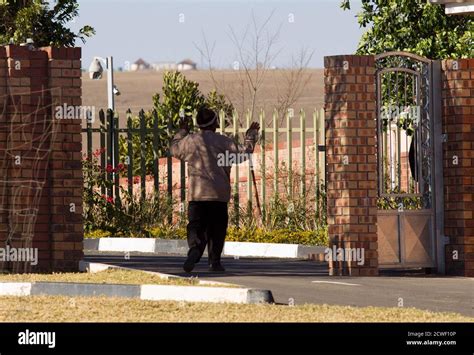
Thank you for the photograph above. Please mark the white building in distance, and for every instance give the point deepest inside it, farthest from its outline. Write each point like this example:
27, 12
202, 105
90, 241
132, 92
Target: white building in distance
456, 7
186, 64
164, 66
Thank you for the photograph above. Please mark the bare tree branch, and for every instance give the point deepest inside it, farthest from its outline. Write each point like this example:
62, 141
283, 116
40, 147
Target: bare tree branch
256, 51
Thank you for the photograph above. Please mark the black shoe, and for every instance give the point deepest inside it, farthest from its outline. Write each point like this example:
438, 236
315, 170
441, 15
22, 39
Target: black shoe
191, 261
216, 267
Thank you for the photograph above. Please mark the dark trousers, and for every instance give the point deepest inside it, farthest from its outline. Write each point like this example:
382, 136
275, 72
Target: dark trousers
207, 225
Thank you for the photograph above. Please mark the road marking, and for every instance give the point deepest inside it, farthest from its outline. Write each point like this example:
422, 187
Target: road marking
335, 283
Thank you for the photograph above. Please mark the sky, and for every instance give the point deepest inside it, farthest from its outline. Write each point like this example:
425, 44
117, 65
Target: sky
162, 31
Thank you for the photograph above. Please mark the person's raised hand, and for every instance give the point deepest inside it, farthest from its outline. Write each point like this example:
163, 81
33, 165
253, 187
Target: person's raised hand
254, 126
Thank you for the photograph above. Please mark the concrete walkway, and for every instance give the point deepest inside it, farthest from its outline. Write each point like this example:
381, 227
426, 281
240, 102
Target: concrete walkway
301, 281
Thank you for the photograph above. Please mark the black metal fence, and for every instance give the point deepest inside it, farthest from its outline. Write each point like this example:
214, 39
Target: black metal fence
109, 132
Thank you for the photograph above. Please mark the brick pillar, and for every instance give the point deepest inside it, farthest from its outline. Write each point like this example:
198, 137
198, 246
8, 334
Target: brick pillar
458, 125
350, 114
3, 138
67, 228
23, 182
41, 195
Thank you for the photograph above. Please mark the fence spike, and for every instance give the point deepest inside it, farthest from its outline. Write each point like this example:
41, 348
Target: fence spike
303, 151
141, 115
263, 179
130, 152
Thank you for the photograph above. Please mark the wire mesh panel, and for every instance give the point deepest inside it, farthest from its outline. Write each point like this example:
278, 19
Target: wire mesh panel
24, 167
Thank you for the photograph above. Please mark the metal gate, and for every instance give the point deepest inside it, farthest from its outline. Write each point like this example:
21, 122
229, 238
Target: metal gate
409, 162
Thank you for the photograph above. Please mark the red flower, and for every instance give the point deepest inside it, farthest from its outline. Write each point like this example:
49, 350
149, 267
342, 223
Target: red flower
136, 179
120, 167
109, 199
98, 152
109, 168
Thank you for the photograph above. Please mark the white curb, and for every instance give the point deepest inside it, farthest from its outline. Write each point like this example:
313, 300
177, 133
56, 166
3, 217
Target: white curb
144, 245
86, 266
143, 292
15, 288
179, 247
261, 250
218, 294
198, 294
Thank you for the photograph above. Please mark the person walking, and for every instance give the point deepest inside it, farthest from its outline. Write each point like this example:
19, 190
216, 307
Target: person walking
210, 156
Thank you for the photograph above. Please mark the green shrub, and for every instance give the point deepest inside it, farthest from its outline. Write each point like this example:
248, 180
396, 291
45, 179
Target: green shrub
168, 233
180, 98
98, 233
280, 236
131, 216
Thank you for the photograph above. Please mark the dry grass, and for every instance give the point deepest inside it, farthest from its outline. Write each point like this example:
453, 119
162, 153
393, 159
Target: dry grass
101, 309
109, 276
137, 88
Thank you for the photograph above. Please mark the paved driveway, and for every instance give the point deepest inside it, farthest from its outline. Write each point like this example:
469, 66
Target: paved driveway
305, 281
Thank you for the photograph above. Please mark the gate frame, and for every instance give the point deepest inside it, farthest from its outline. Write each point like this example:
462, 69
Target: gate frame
437, 193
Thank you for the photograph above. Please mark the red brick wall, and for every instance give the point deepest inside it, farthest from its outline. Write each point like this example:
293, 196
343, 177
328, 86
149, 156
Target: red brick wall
351, 137
41, 195
458, 125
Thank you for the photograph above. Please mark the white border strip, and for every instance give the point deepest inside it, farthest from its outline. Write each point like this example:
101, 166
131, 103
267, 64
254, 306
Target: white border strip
144, 245
196, 294
15, 288
335, 283
151, 292
173, 246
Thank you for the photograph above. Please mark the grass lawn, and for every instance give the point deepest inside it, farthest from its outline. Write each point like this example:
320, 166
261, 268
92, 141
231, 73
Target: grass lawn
109, 276
102, 309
